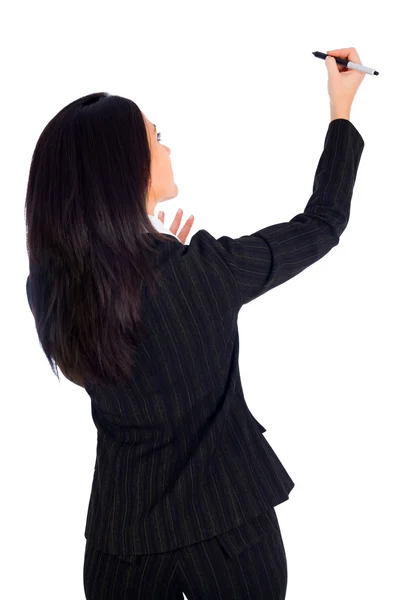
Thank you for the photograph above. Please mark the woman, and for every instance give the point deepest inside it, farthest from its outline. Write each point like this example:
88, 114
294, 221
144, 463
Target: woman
185, 484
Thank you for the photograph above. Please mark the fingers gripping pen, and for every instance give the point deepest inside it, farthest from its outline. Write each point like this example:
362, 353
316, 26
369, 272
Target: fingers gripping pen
348, 63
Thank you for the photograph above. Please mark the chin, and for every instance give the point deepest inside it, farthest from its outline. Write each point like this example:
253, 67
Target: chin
174, 193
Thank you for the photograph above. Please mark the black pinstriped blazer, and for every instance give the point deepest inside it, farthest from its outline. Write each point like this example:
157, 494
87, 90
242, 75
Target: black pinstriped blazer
180, 458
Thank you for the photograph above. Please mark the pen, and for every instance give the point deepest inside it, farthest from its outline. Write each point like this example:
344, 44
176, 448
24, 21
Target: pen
348, 63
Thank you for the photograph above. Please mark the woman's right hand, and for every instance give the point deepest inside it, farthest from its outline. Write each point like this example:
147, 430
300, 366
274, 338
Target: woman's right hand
343, 83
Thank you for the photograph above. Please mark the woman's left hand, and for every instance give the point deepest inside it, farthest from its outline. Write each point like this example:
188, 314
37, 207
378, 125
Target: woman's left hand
184, 232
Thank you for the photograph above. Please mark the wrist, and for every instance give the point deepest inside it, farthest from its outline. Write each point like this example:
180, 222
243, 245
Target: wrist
340, 112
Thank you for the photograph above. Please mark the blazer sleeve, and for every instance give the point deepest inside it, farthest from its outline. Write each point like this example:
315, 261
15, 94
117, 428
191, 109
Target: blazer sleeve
272, 255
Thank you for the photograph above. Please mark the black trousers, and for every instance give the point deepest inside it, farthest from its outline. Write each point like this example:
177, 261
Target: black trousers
207, 570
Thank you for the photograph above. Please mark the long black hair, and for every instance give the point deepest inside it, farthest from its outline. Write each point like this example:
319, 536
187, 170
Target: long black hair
86, 218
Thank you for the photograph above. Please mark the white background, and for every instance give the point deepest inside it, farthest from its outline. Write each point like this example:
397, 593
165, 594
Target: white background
243, 104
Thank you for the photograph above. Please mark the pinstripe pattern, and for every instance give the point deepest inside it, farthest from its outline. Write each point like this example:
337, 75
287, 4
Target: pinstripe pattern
180, 458
253, 569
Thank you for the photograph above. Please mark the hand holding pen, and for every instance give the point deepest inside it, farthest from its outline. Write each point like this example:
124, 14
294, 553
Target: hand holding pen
345, 74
